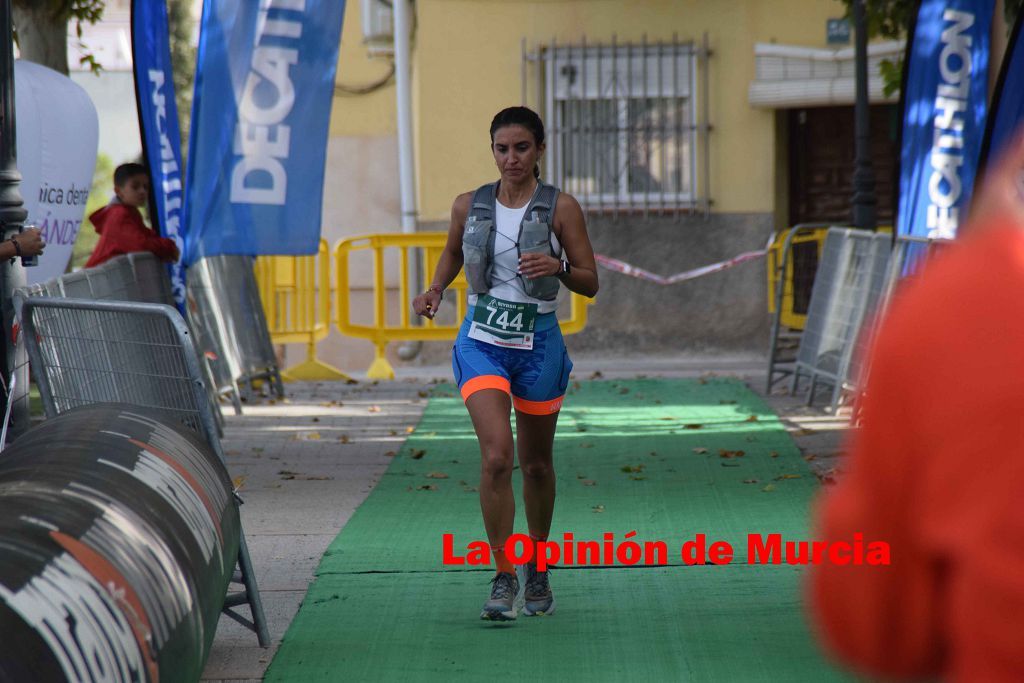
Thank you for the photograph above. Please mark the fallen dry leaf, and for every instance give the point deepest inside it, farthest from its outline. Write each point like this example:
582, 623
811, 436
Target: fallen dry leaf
373, 409
788, 476
344, 438
804, 431
238, 482
750, 481
773, 454
598, 508
769, 488
390, 454
426, 487
423, 394
410, 429
417, 453
693, 426
636, 477
809, 457
700, 450
437, 475
723, 453
589, 482
632, 468
597, 375
752, 418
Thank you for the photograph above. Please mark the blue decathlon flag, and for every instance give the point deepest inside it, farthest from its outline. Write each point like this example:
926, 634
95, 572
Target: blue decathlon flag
264, 85
158, 121
945, 81
1008, 99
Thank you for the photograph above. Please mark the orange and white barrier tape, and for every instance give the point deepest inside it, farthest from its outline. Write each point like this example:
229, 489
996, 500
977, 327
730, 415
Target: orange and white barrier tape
618, 266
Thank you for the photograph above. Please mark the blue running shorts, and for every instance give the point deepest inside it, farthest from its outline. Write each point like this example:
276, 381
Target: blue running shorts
536, 378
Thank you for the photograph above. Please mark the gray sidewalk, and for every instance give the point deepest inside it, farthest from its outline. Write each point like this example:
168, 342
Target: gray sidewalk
306, 463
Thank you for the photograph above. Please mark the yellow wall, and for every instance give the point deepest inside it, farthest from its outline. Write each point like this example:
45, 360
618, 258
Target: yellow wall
467, 66
372, 114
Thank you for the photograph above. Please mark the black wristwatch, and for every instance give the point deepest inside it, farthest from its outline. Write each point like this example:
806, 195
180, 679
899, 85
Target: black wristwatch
565, 270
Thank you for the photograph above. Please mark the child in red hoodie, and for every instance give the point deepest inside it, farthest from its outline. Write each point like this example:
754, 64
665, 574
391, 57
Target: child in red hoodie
120, 225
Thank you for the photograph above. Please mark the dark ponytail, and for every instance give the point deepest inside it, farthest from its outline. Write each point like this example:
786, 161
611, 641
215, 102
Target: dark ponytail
520, 116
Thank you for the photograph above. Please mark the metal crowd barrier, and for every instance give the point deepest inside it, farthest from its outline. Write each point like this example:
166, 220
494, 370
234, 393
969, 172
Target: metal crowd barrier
296, 295
86, 352
139, 277
851, 281
908, 259
225, 308
393, 321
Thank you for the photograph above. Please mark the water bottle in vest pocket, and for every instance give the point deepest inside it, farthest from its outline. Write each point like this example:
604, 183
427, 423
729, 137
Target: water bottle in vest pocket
534, 238
474, 253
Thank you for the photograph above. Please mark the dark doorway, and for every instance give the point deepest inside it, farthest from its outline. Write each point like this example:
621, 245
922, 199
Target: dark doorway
821, 154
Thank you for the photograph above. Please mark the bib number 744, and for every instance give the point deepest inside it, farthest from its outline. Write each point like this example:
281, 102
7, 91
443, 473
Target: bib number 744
503, 322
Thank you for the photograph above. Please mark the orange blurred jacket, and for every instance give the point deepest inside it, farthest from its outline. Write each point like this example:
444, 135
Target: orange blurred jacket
937, 470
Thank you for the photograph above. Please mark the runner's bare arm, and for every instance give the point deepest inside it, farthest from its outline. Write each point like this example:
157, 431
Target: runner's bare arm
571, 230
450, 263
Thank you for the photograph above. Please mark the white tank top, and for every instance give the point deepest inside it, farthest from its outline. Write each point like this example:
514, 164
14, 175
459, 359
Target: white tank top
505, 283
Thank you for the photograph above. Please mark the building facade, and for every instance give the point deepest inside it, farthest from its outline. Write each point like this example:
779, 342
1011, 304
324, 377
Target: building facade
689, 130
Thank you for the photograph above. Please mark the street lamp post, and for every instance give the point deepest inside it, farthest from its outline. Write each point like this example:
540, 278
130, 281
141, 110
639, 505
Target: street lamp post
12, 218
864, 202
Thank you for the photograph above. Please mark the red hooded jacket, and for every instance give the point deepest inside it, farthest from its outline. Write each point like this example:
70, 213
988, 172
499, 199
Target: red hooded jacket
122, 231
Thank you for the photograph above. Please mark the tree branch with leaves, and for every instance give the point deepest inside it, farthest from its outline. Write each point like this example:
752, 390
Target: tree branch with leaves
890, 20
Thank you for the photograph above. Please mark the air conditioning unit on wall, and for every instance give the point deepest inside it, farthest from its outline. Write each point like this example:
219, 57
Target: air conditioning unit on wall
378, 25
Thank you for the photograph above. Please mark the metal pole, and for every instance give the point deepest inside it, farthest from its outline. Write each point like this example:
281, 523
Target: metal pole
403, 96
406, 167
12, 218
864, 175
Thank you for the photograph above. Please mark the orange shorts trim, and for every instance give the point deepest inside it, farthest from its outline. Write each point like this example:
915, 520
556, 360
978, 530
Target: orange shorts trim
485, 382
538, 407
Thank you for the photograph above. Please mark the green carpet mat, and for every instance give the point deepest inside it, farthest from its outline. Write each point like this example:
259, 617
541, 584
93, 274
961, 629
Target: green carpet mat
666, 459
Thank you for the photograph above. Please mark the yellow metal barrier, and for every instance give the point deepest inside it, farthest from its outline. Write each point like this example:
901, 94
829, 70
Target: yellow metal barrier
381, 332
296, 296
798, 278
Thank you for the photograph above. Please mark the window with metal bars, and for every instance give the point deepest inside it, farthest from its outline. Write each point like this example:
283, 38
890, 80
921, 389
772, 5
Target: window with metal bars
623, 124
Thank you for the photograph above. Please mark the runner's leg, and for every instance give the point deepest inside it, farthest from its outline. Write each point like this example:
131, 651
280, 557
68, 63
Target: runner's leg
489, 410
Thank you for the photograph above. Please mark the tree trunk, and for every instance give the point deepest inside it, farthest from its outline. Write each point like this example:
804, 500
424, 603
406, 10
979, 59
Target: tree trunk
42, 34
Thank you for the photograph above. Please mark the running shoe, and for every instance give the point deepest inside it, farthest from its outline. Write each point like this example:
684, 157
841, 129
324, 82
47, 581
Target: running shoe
501, 605
537, 597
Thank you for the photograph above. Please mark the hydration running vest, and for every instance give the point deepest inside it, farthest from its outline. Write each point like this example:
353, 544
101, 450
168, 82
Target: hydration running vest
534, 236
